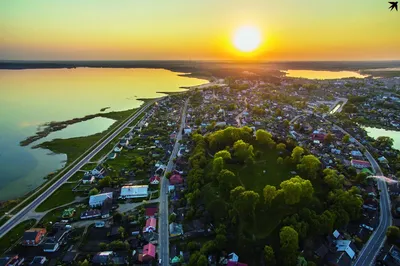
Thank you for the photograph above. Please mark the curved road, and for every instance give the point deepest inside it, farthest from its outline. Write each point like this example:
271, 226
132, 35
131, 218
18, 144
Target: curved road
371, 249
14, 220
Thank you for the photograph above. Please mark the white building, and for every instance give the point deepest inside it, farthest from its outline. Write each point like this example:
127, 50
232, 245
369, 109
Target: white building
129, 192
97, 200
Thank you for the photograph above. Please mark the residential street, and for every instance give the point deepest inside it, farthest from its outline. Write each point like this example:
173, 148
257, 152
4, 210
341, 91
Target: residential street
163, 230
17, 218
371, 249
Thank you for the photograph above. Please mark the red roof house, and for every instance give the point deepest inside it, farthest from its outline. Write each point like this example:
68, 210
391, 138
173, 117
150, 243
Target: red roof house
176, 179
318, 136
151, 211
155, 180
149, 252
360, 164
151, 225
33, 236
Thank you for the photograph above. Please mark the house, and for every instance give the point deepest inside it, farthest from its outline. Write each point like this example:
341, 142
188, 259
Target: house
106, 208
175, 229
151, 212
112, 156
394, 189
345, 246
98, 171
233, 257
97, 200
117, 149
88, 179
151, 225
33, 237
321, 251
360, 164
103, 258
55, 237
356, 154
149, 253
187, 131
129, 192
38, 260
155, 180
11, 261
234, 263
90, 214
382, 159
176, 179
124, 142
318, 136
99, 224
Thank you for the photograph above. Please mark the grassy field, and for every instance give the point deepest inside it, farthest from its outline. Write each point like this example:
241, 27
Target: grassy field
55, 214
62, 195
14, 234
254, 178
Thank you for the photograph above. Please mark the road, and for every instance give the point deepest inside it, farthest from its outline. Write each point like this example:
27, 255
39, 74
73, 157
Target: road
14, 220
163, 229
371, 249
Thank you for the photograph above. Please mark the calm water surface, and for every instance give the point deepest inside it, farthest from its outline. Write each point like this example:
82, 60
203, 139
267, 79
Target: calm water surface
29, 98
316, 74
378, 132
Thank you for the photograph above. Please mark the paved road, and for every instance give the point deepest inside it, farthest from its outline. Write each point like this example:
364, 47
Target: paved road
14, 220
371, 249
163, 229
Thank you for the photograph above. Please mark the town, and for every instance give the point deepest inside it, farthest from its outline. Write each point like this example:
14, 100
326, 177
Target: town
246, 171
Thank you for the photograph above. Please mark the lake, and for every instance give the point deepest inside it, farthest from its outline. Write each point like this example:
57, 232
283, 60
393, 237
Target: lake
317, 74
29, 98
377, 132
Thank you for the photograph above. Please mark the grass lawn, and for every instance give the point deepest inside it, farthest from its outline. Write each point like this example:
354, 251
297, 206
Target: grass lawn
110, 145
55, 214
14, 234
254, 178
62, 195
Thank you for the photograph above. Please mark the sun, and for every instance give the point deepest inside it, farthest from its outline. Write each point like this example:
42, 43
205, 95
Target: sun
247, 38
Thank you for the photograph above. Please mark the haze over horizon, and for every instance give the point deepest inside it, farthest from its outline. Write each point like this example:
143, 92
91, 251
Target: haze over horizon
291, 30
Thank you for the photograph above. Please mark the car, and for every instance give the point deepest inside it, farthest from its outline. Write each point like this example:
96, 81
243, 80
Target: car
159, 261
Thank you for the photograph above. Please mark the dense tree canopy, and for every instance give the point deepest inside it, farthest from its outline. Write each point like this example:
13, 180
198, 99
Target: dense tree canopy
269, 193
289, 240
347, 200
264, 138
269, 256
281, 146
295, 189
310, 165
224, 154
243, 151
226, 137
383, 142
297, 153
333, 179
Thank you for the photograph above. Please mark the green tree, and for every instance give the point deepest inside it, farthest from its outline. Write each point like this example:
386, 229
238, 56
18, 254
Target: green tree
346, 200
139, 162
269, 256
105, 182
93, 191
172, 218
224, 154
168, 175
84, 263
393, 234
265, 138
295, 189
289, 240
310, 165
329, 138
269, 193
202, 261
243, 150
281, 146
326, 221
218, 165
280, 161
383, 142
297, 153
346, 138
192, 246
117, 217
333, 179
102, 246
121, 231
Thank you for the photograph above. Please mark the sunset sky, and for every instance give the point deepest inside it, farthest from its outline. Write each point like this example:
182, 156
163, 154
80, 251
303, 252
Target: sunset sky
189, 29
